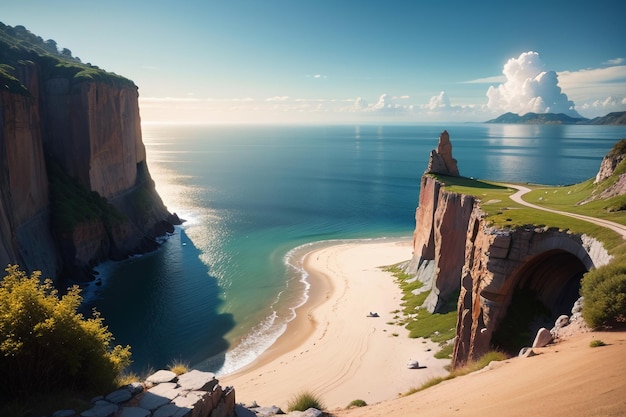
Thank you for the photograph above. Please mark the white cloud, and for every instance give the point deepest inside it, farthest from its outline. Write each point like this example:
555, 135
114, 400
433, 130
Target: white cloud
596, 91
487, 80
529, 88
277, 98
438, 102
360, 104
615, 61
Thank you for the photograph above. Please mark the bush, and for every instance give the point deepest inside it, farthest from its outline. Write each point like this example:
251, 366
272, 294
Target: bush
357, 403
596, 343
179, 367
303, 401
604, 291
46, 346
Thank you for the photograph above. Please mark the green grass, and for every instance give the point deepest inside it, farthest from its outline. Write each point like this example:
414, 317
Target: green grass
438, 327
305, 400
596, 343
445, 352
504, 213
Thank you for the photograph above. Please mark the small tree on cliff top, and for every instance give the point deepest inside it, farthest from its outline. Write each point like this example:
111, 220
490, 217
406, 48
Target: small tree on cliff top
46, 345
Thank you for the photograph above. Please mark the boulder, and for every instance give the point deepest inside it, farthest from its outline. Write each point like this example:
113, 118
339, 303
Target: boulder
267, 411
135, 388
119, 396
543, 338
133, 412
172, 410
562, 321
578, 305
161, 376
197, 380
159, 395
101, 409
526, 352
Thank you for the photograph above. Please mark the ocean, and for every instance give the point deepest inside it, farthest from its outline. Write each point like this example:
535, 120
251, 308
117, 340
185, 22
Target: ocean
221, 289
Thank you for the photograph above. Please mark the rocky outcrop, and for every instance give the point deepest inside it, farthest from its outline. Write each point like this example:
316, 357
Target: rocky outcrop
441, 160
611, 161
83, 133
441, 222
481, 269
608, 183
164, 394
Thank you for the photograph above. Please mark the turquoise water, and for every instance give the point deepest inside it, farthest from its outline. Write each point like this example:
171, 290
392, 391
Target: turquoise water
221, 289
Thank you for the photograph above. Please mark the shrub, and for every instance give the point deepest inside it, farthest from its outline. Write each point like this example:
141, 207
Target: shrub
305, 400
357, 403
596, 343
178, 367
604, 291
46, 345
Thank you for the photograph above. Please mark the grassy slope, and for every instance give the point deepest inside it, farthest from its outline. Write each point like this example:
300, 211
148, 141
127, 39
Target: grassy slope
503, 212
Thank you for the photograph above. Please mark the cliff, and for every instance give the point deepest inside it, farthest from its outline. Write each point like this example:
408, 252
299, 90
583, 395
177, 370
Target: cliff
506, 283
75, 187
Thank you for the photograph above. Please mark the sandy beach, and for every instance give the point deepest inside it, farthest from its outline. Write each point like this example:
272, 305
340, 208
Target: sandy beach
332, 348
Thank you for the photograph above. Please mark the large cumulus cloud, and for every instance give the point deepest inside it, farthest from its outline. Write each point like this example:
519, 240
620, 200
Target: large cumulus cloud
529, 88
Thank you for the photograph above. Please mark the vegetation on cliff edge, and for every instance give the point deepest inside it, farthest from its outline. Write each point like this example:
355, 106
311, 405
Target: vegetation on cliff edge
19, 47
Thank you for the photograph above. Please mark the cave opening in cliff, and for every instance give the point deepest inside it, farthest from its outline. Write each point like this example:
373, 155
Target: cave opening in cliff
543, 289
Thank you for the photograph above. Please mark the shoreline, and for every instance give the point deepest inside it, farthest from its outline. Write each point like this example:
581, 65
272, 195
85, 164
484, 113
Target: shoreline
331, 347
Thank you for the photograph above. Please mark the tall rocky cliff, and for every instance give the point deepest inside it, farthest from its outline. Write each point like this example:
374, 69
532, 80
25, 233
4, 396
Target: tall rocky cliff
481, 270
74, 187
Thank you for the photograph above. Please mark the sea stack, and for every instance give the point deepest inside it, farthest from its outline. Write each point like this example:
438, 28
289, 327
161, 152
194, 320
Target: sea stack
441, 160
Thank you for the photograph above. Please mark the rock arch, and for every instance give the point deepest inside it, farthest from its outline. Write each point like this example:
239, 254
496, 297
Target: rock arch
542, 289
513, 272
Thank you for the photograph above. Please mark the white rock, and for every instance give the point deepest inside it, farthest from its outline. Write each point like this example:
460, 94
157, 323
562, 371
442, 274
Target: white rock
161, 376
543, 338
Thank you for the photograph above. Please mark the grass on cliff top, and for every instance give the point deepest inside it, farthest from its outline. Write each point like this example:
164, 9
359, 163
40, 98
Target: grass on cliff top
502, 212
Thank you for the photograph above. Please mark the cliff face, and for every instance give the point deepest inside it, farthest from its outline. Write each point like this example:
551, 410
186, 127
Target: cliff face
441, 220
108, 116
91, 131
456, 254
24, 235
492, 274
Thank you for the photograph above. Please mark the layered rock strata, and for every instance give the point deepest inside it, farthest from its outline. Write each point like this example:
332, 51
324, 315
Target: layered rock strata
91, 131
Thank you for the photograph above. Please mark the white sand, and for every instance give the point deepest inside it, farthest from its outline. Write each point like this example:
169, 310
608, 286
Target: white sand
332, 348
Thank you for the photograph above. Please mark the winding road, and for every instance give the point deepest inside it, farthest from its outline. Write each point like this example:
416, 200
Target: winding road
521, 190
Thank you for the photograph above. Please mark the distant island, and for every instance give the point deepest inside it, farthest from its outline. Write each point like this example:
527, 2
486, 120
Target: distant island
615, 118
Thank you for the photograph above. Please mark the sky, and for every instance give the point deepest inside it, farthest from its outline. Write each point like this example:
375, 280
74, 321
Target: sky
302, 61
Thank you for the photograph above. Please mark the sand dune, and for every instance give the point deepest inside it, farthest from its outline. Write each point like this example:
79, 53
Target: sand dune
566, 379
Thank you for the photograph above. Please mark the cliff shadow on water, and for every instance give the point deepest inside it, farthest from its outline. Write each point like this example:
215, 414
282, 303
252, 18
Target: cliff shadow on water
165, 305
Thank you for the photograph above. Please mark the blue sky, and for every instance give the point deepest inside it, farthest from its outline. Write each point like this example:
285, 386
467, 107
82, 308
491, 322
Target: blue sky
354, 61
